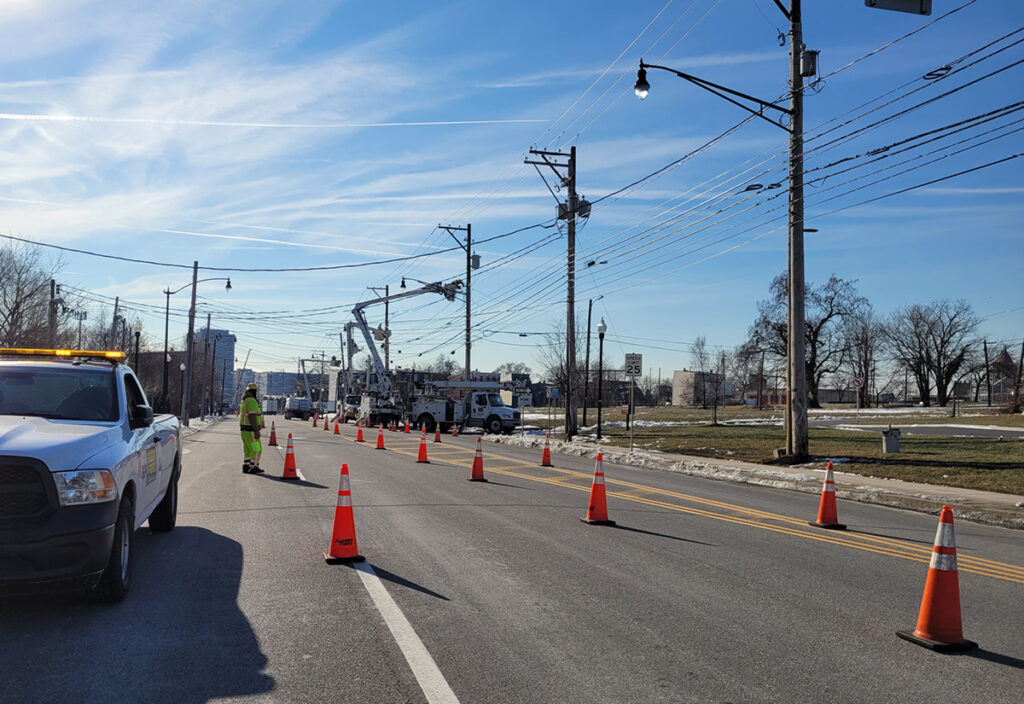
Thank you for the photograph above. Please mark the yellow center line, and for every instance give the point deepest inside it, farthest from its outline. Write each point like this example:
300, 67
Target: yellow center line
750, 517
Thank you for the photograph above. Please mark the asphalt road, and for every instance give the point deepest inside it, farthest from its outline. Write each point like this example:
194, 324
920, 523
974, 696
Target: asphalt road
495, 592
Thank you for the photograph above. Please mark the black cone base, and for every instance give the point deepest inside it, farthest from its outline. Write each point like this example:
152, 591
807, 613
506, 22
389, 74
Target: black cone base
342, 560
598, 523
938, 646
829, 526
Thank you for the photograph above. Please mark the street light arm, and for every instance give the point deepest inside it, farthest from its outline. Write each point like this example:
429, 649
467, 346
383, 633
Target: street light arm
721, 92
179, 290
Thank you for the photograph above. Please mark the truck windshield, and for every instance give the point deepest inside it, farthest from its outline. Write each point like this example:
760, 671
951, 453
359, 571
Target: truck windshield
77, 393
353, 400
494, 400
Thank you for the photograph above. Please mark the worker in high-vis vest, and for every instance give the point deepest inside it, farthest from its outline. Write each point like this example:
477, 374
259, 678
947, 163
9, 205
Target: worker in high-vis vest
250, 418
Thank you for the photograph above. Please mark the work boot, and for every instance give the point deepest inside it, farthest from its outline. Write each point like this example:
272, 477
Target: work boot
246, 467
255, 469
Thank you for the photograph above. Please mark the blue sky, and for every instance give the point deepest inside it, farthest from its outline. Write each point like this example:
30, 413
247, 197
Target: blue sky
262, 135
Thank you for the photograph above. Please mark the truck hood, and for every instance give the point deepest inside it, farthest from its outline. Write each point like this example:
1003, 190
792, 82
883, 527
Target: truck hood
60, 444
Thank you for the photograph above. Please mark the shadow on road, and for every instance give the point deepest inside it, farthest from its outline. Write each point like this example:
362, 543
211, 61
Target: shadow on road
894, 537
292, 482
659, 535
402, 581
179, 636
997, 658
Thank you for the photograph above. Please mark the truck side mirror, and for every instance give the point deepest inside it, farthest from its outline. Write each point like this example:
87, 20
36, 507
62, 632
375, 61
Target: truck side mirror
142, 416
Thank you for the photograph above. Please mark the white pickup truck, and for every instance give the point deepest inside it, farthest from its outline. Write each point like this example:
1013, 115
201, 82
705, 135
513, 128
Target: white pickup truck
83, 464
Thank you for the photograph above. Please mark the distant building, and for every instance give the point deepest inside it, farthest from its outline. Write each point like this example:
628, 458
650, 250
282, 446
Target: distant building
224, 361
693, 388
277, 383
243, 377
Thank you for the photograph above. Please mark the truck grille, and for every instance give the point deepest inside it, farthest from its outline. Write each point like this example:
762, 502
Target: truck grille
23, 493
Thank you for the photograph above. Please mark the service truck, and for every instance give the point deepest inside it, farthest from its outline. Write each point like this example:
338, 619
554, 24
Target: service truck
481, 407
296, 407
83, 464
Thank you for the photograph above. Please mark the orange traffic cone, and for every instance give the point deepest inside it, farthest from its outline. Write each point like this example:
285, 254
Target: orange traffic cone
262, 424
359, 434
315, 418
343, 539
827, 517
336, 431
597, 512
391, 426
938, 622
289, 461
325, 423
407, 425
545, 457
455, 431
437, 433
478, 464
380, 438
273, 436
422, 456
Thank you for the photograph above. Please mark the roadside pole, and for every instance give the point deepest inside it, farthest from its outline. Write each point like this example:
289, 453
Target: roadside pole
634, 366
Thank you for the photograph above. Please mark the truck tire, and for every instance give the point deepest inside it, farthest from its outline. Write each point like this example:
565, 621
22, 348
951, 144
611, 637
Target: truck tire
287, 415
117, 577
426, 421
493, 425
165, 515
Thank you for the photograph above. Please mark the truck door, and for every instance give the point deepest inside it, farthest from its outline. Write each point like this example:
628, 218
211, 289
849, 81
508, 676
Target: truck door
479, 409
145, 453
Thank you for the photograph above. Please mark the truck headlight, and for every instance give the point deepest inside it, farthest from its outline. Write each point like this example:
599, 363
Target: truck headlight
85, 486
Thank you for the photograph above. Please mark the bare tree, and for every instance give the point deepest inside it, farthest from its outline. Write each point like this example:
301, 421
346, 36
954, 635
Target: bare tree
864, 337
827, 306
442, 364
934, 343
25, 295
552, 358
512, 368
701, 359
743, 365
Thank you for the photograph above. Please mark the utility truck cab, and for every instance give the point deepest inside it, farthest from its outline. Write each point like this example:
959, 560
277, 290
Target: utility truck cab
482, 407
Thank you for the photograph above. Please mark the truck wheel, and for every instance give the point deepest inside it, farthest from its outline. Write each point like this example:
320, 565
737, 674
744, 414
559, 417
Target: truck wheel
165, 515
493, 425
117, 577
426, 421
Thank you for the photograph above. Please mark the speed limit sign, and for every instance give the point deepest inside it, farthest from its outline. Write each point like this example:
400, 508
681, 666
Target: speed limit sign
634, 363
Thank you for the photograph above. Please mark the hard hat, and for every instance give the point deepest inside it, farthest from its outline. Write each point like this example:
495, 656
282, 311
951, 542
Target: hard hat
252, 387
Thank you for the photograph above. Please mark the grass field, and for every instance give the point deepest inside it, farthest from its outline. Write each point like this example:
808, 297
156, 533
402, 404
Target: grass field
990, 464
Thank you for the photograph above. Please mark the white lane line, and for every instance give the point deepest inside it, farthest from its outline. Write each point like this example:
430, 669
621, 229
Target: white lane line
432, 682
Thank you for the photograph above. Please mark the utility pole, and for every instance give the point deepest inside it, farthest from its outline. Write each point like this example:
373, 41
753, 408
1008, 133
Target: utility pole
988, 380
113, 323
471, 263
386, 343
567, 211
187, 380
52, 318
213, 368
202, 372
586, 363
760, 380
796, 400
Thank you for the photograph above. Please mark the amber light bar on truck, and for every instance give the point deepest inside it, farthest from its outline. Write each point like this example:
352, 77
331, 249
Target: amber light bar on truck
35, 352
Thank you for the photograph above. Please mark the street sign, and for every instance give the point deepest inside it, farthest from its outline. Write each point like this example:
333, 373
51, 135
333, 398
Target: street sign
858, 382
634, 364
625, 410
914, 7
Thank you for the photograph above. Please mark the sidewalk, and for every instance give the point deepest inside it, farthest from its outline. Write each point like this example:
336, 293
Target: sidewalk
988, 507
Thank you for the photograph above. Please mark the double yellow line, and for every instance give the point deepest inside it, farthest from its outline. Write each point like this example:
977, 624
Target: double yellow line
739, 515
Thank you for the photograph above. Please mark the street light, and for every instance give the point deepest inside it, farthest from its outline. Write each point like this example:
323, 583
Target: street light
188, 338
601, 330
802, 64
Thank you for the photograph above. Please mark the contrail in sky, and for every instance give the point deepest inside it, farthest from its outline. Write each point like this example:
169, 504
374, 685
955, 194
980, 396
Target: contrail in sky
268, 125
